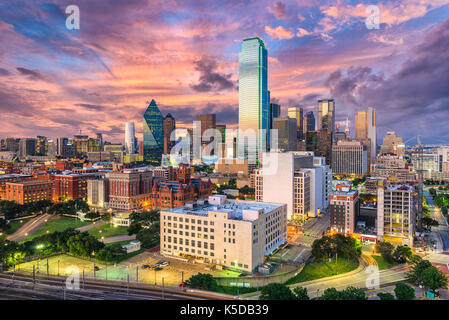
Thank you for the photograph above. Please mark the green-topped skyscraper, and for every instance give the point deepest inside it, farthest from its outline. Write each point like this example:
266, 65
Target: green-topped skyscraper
153, 134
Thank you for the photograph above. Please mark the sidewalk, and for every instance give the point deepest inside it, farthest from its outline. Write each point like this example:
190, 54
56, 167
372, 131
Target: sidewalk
91, 226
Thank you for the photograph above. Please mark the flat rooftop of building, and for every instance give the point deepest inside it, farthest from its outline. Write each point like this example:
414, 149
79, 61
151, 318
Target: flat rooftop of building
31, 182
14, 175
399, 187
230, 206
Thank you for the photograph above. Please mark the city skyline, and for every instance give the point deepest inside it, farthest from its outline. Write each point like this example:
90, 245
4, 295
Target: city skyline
61, 81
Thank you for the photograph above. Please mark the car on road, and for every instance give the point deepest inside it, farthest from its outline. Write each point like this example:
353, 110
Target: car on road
157, 269
96, 268
146, 266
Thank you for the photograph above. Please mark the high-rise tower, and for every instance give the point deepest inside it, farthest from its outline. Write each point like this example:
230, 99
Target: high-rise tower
254, 108
326, 115
130, 138
153, 135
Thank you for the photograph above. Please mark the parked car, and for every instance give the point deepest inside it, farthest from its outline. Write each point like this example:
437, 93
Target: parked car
146, 266
162, 263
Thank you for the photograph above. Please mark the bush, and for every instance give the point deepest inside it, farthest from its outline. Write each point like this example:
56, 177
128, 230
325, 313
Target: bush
113, 253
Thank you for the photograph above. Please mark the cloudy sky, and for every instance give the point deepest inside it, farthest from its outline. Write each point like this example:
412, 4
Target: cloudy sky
183, 53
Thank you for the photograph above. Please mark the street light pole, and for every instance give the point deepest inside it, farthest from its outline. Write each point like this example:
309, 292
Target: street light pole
162, 288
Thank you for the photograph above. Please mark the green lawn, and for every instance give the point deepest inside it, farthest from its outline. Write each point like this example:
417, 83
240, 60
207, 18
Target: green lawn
58, 224
317, 270
108, 230
381, 263
15, 225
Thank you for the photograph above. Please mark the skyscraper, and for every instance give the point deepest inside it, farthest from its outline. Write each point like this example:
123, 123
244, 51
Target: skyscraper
275, 112
365, 128
326, 115
153, 135
169, 126
309, 123
130, 138
254, 108
287, 133
298, 115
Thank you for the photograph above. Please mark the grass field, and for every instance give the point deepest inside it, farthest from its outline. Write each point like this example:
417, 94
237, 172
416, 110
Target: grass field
58, 224
15, 225
381, 263
317, 270
108, 230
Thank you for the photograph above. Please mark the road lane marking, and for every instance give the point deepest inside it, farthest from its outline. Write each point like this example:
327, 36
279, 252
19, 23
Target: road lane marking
299, 254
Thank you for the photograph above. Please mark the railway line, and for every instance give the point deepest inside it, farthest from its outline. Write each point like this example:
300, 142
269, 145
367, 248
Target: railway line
53, 287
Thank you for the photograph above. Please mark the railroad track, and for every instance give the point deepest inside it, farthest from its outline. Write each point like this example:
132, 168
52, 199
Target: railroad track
97, 290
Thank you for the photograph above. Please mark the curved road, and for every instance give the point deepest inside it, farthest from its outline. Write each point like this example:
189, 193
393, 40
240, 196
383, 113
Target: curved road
29, 228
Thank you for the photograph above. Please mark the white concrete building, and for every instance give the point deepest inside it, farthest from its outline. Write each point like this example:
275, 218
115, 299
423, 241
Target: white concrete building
283, 185
396, 213
234, 234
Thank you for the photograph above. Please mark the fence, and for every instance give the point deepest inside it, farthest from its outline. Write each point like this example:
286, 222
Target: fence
253, 282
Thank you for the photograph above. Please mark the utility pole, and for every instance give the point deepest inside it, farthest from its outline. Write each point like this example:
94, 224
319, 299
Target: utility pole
162, 288
137, 274
47, 268
34, 274
127, 287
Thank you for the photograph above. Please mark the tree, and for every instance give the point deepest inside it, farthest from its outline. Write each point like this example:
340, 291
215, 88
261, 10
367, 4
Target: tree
433, 278
149, 237
83, 245
404, 292
301, 293
418, 267
402, 254
350, 293
113, 253
386, 250
202, 281
276, 291
385, 296
429, 222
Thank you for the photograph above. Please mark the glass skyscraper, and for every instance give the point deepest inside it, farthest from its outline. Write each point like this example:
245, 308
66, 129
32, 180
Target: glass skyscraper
153, 133
254, 104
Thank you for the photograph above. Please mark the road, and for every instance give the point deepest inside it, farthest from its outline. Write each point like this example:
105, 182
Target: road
443, 229
29, 228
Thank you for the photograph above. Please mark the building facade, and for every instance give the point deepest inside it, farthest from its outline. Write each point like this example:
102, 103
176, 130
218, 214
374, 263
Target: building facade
344, 208
234, 234
29, 191
153, 133
349, 158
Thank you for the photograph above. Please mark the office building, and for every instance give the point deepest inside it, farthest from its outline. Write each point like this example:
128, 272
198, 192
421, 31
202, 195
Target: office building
396, 213
344, 208
130, 138
71, 185
130, 189
320, 143
153, 133
301, 180
254, 105
98, 192
287, 134
349, 158
365, 128
275, 112
326, 115
298, 115
27, 147
234, 234
169, 127
392, 144
309, 123
29, 191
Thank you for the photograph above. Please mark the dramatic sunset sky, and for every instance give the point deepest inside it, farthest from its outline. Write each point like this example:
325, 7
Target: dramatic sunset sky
184, 54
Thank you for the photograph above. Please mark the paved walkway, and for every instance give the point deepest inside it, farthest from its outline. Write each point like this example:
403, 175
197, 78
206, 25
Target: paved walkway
91, 226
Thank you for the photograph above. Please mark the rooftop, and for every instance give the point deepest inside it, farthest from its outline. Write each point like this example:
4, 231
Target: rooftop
233, 207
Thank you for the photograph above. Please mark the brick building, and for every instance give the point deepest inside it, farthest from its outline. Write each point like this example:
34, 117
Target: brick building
29, 191
71, 186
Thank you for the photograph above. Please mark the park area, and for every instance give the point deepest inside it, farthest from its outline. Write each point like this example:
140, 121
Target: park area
318, 270
108, 230
57, 224
16, 225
